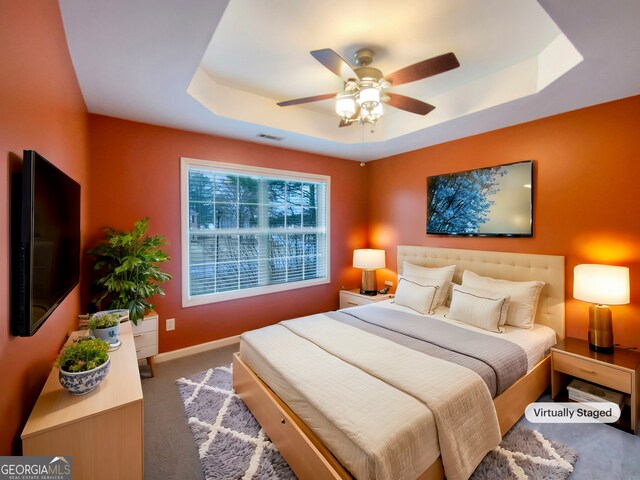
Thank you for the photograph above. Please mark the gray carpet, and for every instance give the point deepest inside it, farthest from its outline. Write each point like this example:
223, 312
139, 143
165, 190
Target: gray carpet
231, 444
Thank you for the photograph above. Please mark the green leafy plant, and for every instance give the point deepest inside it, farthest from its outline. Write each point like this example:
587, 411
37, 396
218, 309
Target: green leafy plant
128, 264
83, 355
107, 320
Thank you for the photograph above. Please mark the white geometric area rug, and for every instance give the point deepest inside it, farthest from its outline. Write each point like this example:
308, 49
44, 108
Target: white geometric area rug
232, 445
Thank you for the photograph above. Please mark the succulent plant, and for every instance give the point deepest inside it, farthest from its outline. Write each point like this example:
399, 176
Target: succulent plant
83, 355
106, 320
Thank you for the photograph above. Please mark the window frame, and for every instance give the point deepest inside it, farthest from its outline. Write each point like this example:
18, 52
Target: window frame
239, 169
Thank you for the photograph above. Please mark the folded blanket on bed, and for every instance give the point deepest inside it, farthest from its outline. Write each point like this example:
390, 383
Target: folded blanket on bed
499, 362
382, 376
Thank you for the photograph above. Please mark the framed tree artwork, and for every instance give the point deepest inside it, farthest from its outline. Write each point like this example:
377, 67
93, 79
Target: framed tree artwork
492, 201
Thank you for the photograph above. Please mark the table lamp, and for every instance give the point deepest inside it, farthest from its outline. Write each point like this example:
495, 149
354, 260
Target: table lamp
601, 285
368, 260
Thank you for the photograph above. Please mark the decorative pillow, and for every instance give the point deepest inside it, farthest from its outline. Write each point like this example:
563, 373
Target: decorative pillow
524, 296
441, 274
417, 296
479, 308
447, 302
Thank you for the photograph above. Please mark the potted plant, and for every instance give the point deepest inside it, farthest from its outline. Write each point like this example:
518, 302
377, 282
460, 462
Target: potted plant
83, 365
128, 266
105, 326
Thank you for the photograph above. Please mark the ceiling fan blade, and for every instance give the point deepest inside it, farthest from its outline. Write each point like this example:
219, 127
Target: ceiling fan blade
315, 98
424, 69
409, 104
335, 63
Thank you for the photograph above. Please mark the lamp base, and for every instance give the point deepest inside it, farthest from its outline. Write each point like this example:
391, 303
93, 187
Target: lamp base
600, 329
369, 283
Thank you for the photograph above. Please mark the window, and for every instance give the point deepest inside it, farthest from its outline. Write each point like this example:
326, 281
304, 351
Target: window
249, 231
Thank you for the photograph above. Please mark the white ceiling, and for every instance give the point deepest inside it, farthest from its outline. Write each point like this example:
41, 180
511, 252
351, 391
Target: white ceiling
219, 67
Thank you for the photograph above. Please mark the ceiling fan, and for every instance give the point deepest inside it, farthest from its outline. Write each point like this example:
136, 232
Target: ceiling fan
365, 86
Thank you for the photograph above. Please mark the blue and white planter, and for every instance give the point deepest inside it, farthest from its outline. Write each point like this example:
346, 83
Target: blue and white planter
109, 335
81, 383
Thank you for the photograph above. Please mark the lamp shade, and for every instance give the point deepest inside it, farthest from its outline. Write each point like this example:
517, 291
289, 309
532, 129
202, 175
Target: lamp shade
601, 284
346, 107
368, 258
369, 96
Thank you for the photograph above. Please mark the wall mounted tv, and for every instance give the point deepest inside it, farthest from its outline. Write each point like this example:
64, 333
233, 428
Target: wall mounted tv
493, 202
45, 242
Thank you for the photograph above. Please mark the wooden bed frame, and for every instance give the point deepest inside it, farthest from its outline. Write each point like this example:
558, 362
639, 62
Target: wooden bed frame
304, 451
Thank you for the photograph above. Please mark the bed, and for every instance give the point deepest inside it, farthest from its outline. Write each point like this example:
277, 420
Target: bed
300, 443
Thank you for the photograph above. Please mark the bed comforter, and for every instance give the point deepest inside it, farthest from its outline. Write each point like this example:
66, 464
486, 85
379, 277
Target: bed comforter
383, 396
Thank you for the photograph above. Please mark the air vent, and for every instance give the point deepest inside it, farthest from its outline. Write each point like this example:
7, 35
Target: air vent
273, 138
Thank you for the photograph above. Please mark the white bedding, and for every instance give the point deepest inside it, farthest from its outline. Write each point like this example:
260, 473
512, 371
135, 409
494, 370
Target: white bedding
416, 456
536, 341
383, 396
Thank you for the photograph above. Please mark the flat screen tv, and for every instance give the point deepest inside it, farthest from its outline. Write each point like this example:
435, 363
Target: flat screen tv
492, 201
46, 245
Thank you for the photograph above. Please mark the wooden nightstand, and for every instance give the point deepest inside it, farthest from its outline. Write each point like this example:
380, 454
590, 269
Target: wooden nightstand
352, 298
571, 358
145, 334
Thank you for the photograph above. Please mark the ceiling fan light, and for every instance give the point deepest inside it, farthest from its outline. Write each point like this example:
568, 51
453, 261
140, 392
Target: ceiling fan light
371, 115
345, 107
369, 97
376, 112
366, 117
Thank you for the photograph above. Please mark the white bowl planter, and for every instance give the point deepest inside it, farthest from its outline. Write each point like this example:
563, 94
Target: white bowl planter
80, 383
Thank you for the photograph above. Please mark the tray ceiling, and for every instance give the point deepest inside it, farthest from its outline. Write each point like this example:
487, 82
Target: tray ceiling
220, 67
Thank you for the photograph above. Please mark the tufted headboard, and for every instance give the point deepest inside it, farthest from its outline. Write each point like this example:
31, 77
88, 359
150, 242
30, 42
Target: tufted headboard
518, 267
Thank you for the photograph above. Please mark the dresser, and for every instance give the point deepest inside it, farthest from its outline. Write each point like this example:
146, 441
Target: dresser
353, 298
145, 335
103, 430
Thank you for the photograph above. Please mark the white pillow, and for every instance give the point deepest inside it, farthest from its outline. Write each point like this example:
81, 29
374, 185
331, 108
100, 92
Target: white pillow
524, 296
447, 302
440, 275
417, 296
479, 308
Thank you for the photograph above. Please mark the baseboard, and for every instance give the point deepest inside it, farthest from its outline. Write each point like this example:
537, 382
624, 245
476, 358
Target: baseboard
202, 347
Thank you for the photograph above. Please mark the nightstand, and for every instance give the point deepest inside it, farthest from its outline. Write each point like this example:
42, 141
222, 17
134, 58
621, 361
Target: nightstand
145, 335
571, 358
352, 298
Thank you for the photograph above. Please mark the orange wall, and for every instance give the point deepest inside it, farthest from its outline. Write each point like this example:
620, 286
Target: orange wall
41, 108
587, 197
135, 172
585, 206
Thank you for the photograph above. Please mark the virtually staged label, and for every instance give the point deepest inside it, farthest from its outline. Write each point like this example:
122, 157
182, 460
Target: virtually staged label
572, 412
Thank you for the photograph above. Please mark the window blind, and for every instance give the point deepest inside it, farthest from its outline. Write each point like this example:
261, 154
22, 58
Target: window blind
251, 230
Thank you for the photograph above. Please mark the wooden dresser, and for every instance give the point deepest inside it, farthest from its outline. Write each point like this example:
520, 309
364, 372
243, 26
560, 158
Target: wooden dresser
103, 430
